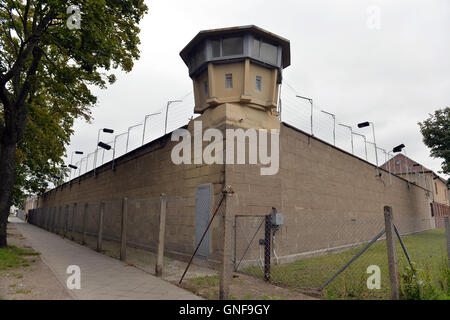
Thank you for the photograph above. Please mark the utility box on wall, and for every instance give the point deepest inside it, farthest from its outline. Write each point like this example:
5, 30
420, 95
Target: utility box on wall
277, 219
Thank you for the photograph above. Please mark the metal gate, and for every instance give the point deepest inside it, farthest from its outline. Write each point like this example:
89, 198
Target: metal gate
202, 217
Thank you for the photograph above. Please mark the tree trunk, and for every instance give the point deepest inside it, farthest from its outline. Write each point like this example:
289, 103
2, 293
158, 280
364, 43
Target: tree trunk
7, 178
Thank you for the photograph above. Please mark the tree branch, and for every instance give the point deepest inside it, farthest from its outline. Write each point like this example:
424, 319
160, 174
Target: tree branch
29, 46
54, 66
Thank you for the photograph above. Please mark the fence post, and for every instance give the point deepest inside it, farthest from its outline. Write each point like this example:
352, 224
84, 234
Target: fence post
100, 227
162, 232
53, 219
74, 211
44, 224
66, 221
267, 249
57, 218
392, 253
447, 232
50, 219
47, 219
44, 212
123, 230
60, 220
227, 268
85, 220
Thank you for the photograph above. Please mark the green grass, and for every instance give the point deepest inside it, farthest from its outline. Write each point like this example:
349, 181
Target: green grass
426, 249
13, 257
23, 291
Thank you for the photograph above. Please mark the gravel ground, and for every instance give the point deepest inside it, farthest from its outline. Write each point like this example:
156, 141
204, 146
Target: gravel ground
34, 282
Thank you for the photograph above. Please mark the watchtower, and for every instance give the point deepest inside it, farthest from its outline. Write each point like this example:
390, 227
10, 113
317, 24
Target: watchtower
241, 67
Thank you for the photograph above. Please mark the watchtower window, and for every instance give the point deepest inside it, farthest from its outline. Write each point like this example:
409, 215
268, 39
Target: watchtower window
256, 45
228, 81
215, 44
268, 52
232, 46
258, 83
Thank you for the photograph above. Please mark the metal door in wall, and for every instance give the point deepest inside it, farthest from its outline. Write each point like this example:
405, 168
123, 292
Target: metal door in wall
202, 216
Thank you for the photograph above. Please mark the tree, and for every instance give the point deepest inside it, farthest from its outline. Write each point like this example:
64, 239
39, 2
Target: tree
47, 68
39, 153
436, 136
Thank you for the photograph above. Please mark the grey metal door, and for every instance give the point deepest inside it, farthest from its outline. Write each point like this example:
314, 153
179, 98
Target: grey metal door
203, 211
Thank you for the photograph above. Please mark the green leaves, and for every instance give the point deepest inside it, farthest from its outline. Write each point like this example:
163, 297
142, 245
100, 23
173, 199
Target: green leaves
436, 136
69, 62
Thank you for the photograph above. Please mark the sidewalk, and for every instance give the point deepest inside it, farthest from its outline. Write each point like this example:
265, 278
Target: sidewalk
102, 277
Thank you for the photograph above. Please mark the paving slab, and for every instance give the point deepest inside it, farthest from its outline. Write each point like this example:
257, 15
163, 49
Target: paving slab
102, 277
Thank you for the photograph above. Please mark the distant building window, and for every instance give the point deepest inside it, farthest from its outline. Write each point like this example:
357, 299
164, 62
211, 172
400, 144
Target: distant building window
228, 81
258, 83
232, 46
205, 88
269, 52
215, 44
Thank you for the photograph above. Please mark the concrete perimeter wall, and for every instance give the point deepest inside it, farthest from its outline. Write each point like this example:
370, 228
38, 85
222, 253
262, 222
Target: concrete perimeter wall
142, 176
317, 186
329, 198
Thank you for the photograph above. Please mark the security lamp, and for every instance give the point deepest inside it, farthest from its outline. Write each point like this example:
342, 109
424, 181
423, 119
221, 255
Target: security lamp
363, 124
78, 152
398, 148
73, 167
108, 130
367, 124
104, 146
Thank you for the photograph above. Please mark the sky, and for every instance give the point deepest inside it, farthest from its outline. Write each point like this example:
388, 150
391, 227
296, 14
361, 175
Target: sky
381, 61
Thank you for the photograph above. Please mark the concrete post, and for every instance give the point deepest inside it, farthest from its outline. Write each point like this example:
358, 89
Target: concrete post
58, 220
227, 267
48, 220
66, 221
100, 227
53, 219
55, 225
392, 253
74, 212
45, 224
123, 230
85, 221
162, 232
447, 232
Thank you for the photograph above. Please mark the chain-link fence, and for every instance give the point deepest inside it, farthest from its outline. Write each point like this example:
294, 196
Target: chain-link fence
132, 230
103, 226
341, 258
428, 276
349, 257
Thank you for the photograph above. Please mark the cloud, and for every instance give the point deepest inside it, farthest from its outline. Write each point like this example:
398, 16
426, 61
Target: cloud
394, 76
